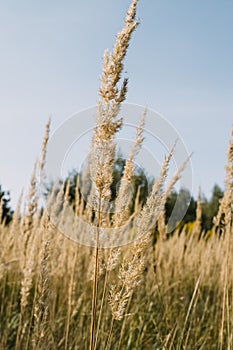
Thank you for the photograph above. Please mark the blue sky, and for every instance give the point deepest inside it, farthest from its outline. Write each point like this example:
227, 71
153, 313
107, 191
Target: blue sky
179, 64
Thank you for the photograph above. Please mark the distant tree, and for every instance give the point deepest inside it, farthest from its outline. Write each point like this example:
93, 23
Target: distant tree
140, 182
185, 205
184, 201
210, 208
6, 211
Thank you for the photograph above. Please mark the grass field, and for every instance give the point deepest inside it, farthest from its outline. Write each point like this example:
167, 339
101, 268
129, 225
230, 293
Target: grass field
164, 293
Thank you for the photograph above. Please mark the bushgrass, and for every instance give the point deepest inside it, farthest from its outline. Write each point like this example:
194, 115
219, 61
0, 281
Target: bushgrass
171, 293
184, 301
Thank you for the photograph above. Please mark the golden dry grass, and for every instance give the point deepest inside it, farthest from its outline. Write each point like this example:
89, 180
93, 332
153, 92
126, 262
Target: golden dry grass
175, 293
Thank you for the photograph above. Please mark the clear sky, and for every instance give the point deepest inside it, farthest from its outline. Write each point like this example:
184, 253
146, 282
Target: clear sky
179, 63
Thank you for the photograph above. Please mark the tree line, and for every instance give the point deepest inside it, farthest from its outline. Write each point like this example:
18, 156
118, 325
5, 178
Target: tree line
140, 187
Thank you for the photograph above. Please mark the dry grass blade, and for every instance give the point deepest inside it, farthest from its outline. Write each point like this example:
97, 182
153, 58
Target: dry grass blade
189, 311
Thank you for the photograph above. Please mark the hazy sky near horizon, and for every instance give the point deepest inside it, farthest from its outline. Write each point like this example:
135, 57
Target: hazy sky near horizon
179, 63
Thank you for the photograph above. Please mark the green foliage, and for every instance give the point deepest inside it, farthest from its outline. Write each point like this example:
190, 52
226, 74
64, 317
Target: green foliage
140, 182
210, 208
185, 203
7, 212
